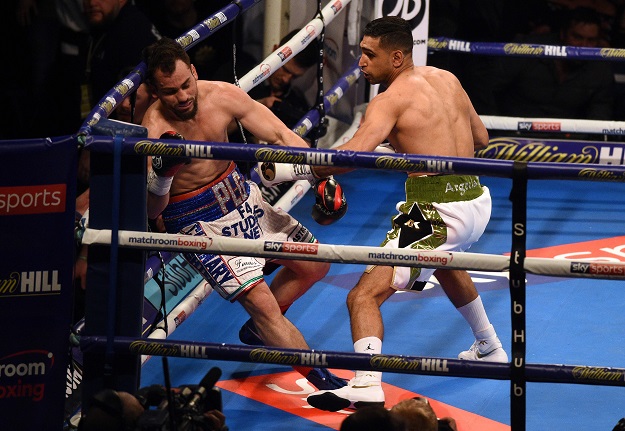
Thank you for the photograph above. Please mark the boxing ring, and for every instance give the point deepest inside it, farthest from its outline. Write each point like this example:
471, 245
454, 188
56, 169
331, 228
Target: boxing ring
519, 373
115, 347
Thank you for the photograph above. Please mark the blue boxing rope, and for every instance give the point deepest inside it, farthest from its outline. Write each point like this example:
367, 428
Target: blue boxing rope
330, 99
578, 374
511, 49
367, 160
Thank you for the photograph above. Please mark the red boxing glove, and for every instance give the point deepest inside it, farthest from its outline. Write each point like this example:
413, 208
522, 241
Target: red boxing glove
330, 204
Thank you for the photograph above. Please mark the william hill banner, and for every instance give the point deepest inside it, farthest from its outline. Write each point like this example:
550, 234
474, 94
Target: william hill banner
37, 206
561, 151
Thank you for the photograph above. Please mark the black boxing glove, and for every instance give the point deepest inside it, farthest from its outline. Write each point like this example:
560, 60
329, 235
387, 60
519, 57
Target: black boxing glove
164, 168
330, 204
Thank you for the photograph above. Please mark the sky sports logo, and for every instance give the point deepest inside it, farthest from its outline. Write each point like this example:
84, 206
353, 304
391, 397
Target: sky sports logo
20, 200
539, 126
598, 268
291, 247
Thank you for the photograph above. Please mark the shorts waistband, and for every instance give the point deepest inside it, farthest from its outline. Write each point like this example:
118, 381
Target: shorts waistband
208, 203
443, 188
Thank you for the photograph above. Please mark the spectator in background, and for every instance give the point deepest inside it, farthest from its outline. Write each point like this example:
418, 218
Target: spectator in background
119, 31
481, 21
29, 38
556, 88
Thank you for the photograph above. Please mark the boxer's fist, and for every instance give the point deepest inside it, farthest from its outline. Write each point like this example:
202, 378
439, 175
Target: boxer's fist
168, 166
330, 204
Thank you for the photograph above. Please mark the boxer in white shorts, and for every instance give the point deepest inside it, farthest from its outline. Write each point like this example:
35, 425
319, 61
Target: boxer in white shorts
447, 213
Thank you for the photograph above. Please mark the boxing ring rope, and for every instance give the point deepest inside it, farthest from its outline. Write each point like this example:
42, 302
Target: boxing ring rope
401, 162
525, 49
555, 125
352, 159
284, 53
355, 254
422, 365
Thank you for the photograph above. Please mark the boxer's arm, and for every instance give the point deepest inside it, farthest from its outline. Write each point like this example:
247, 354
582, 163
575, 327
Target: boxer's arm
161, 177
478, 130
257, 118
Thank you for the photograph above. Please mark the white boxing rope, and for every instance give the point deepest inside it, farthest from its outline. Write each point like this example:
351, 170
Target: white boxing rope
293, 195
354, 254
295, 45
554, 125
179, 313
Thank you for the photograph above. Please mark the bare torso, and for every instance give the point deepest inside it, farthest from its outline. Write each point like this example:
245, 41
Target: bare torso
425, 111
209, 124
432, 114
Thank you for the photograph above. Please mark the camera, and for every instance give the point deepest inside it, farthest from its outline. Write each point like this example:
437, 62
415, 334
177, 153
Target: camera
182, 408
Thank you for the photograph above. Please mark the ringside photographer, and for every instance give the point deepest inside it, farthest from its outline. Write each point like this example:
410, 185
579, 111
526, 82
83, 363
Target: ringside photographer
154, 408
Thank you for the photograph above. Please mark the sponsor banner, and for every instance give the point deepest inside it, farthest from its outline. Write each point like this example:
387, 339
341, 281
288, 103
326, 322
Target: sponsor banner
548, 150
37, 207
180, 279
601, 251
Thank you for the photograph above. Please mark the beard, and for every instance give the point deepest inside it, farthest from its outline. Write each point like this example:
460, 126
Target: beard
187, 115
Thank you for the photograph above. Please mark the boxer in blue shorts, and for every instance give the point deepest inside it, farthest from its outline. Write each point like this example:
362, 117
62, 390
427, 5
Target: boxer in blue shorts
207, 196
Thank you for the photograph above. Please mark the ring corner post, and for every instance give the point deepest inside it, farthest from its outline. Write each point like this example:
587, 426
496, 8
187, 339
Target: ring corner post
114, 296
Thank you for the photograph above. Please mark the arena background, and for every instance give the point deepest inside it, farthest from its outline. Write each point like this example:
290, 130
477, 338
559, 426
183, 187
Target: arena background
569, 321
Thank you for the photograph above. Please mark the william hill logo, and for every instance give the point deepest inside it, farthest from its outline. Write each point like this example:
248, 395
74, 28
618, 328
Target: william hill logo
30, 282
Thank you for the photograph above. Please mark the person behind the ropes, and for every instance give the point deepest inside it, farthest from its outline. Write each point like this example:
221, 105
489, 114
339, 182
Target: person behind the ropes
423, 110
210, 197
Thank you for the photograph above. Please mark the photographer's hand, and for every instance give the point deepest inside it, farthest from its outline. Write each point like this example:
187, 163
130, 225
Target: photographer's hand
215, 419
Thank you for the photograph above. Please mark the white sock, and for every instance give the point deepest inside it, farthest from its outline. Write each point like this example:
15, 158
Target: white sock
475, 315
371, 345
368, 345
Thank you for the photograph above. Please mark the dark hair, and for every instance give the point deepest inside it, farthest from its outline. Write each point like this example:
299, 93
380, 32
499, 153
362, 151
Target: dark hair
394, 33
372, 418
162, 55
307, 56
